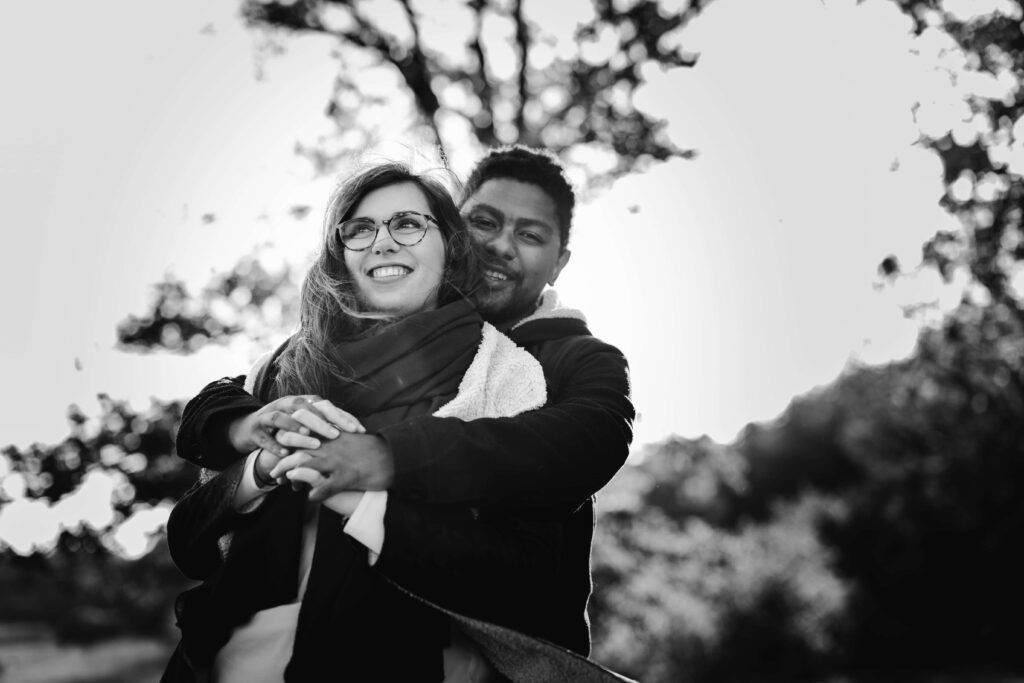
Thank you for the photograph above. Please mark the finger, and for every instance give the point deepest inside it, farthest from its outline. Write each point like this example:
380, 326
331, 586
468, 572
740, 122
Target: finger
294, 440
305, 475
266, 441
323, 465
290, 462
279, 419
343, 420
315, 422
325, 489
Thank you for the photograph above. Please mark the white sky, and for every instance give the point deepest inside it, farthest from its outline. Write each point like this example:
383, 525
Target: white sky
744, 277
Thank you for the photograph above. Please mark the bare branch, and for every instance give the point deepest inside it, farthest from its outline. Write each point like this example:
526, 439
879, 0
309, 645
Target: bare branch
523, 43
419, 71
484, 125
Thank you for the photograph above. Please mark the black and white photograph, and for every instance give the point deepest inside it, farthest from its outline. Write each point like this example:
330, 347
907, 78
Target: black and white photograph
469, 341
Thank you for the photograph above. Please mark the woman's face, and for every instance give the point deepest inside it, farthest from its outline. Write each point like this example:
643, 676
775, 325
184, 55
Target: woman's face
389, 277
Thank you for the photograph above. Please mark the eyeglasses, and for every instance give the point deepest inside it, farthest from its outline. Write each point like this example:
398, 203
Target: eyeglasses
406, 228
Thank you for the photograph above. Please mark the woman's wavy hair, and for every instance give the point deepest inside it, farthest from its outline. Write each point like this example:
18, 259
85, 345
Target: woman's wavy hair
330, 308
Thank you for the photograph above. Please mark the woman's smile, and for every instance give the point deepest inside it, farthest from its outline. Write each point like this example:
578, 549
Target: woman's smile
389, 272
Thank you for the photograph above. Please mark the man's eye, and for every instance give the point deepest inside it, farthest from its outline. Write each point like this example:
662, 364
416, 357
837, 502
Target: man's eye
482, 223
531, 237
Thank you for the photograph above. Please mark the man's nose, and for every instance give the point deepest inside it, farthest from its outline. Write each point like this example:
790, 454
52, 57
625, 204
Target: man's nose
502, 245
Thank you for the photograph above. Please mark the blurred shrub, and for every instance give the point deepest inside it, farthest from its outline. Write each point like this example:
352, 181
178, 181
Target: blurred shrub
677, 598
82, 522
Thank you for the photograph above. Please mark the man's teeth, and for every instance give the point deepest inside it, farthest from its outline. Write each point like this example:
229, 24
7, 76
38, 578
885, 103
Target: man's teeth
495, 275
388, 271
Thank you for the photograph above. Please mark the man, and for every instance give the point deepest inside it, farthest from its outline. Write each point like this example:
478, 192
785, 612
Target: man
549, 461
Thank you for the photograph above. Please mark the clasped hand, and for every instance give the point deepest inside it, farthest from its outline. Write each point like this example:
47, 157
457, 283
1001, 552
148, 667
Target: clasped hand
332, 453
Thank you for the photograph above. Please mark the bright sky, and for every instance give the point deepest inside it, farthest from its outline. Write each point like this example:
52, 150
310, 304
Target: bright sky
732, 282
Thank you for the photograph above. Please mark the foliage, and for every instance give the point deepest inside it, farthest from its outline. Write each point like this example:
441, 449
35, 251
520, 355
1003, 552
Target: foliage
985, 189
494, 73
251, 299
929, 543
97, 565
679, 599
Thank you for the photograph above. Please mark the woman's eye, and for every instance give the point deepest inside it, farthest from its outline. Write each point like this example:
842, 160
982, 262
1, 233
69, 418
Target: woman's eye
408, 224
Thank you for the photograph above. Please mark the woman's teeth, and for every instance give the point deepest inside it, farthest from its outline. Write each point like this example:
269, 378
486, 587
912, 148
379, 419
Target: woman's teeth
495, 275
388, 271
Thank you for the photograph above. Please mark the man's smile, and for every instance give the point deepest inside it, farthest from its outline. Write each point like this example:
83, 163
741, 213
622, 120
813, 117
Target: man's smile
495, 275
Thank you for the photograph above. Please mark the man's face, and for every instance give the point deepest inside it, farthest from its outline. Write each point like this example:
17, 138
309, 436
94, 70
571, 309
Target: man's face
515, 226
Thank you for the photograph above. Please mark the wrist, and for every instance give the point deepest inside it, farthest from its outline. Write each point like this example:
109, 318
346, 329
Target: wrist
234, 435
262, 480
384, 474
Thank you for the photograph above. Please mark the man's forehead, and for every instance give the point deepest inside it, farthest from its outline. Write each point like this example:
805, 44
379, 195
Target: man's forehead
516, 199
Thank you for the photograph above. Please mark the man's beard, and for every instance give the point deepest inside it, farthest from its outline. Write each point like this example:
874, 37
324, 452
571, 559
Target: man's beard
503, 307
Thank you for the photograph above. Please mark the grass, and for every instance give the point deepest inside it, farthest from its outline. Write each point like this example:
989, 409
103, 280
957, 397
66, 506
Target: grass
30, 654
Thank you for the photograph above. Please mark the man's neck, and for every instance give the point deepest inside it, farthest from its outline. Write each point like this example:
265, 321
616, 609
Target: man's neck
505, 323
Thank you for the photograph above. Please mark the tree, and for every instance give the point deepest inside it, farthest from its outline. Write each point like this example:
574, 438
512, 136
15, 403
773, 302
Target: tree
981, 153
97, 564
498, 72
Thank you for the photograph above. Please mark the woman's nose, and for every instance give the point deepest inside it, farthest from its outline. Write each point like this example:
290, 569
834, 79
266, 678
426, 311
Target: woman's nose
383, 242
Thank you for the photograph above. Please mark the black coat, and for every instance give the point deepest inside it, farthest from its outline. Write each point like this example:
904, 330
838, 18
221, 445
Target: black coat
492, 519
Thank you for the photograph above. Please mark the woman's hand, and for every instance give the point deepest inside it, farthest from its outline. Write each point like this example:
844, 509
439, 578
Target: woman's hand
290, 422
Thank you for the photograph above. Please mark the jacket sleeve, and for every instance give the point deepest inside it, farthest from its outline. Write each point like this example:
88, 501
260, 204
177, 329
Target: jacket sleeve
559, 454
198, 521
202, 435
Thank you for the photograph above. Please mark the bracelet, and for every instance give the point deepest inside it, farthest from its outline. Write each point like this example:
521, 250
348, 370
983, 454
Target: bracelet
260, 481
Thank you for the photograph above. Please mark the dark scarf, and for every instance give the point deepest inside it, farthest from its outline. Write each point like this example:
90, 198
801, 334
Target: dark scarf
351, 621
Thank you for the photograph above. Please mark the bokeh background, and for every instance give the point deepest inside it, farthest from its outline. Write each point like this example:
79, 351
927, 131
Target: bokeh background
799, 219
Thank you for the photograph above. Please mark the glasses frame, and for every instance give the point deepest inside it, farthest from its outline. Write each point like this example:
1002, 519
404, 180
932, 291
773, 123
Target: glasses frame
387, 226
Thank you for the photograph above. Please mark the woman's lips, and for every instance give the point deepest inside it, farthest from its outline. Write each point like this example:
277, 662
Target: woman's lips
388, 272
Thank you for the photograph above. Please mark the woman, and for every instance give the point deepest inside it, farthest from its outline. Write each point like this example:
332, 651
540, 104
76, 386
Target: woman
387, 333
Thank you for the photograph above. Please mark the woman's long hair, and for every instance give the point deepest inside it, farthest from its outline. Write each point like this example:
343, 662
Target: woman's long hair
330, 309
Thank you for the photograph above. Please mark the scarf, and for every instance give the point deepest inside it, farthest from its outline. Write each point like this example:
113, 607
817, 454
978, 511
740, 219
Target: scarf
406, 369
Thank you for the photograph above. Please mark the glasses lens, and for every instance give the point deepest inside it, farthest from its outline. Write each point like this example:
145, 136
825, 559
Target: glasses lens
407, 228
357, 233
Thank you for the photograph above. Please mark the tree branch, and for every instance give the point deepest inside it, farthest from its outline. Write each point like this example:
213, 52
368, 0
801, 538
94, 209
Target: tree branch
481, 83
523, 43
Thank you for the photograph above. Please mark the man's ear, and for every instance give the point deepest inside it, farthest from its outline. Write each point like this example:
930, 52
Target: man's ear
563, 259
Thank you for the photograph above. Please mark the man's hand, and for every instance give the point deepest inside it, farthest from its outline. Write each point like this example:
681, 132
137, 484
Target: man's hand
350, 462
290, 422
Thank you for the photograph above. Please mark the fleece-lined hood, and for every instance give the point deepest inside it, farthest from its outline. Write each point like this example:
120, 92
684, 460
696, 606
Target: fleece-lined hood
551, 320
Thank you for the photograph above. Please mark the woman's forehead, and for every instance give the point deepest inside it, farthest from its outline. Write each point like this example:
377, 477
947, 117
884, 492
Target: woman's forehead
384, 201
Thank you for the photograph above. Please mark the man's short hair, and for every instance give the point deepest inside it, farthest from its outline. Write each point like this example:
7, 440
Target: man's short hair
527, 165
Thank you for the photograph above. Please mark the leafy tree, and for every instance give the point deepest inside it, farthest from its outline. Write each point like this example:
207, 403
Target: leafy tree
497, 72
251, 299
103, 569
107, 488
677, 598
981, 154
